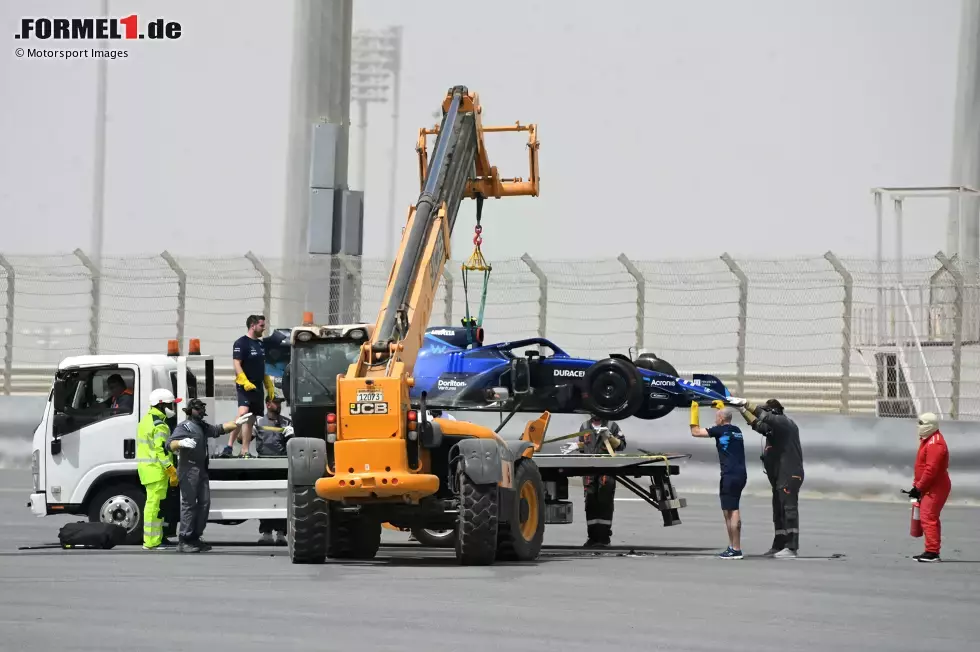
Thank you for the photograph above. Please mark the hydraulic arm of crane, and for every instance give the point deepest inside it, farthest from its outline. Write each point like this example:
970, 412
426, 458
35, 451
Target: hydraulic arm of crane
459, 168
377, 384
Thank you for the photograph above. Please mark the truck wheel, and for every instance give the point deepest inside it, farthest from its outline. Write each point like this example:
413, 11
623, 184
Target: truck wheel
521, 538
476, 540
435, 538
121, 504
654, 410
353, 536
614, 389
307, 523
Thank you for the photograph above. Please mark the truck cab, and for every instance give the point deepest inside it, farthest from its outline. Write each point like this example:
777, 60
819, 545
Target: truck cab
84, 449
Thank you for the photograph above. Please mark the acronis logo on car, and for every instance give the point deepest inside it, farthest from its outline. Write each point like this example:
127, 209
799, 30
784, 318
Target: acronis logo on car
662, 383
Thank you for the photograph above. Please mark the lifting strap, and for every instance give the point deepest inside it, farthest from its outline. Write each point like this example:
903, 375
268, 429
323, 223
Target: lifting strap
476, 263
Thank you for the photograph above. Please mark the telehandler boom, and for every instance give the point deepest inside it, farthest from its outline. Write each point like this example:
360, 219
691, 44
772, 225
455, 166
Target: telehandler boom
382, 460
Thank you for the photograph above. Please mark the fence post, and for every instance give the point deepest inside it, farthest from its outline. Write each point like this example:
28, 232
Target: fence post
641, 298
181, 296
448, 311
266, 284
845, 362
743, 310
8, 343
354, 305
542, 293
96, 274
954, 399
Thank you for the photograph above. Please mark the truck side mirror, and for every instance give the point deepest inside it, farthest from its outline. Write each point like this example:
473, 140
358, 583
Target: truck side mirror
520, 376
60, 398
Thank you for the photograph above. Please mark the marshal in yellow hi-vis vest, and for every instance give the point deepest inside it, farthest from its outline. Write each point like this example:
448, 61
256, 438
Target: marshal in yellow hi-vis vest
154, 463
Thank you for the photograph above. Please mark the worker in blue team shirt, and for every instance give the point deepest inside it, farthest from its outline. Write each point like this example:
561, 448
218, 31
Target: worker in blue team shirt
731, 456
248, 357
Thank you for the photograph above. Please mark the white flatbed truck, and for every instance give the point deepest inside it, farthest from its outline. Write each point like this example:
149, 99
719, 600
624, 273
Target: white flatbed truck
84, 454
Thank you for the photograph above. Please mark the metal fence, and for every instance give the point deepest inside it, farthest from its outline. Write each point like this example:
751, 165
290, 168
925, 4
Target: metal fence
822, 325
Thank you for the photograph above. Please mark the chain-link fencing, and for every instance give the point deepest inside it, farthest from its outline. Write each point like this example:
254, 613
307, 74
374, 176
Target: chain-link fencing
824, 334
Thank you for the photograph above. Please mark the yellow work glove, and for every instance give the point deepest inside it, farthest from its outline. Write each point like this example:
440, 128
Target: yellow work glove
718, 405
694, 414
270, 388
246, 384
614, 442
172, 473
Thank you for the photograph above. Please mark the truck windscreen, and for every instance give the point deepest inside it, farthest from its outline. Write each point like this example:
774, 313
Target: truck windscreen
315, 367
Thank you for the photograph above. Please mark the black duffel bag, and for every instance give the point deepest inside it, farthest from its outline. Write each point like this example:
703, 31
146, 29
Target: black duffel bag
84, 534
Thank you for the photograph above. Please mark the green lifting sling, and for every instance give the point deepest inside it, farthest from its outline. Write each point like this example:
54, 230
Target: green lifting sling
476, 263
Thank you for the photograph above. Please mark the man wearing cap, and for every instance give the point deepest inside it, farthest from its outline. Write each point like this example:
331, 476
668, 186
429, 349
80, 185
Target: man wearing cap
189, 440
783, 463
931, 485
271, 433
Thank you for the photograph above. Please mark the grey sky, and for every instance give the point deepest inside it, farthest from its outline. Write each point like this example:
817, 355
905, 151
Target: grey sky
667, 129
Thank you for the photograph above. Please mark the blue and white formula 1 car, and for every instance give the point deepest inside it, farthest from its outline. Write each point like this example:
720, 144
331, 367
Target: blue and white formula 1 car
457, 374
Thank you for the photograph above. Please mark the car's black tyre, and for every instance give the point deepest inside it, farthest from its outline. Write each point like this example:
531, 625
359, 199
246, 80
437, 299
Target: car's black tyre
476, 529
308, 521
435, 538
650, 409
353, 536
613, 389
520, 539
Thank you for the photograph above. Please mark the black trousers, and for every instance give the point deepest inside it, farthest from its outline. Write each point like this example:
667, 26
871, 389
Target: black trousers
600, 496
195, 502
786, 512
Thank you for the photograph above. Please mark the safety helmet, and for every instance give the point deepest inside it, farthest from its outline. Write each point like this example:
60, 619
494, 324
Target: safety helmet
161, 395
928, 424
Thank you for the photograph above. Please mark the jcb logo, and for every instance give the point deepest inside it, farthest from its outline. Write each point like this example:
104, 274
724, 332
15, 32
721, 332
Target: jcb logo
369, 408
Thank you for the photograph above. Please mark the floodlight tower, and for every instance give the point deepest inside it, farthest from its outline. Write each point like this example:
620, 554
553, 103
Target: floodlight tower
375, 78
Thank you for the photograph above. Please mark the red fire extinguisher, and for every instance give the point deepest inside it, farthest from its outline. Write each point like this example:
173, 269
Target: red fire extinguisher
915, 527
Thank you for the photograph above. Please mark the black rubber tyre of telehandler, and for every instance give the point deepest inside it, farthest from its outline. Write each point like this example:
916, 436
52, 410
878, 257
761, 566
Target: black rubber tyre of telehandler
353, 536
476, 530
513, 543
308, 526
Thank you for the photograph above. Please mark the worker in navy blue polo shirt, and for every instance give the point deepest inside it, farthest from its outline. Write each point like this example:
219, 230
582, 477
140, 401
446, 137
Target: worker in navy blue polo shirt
731, 456
248, 357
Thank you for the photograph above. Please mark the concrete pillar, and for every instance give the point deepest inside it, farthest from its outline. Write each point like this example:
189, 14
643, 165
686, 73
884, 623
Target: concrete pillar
316, 176
963, 225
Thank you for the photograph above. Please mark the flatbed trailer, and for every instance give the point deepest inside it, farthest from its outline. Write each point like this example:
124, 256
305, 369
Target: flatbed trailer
243, 489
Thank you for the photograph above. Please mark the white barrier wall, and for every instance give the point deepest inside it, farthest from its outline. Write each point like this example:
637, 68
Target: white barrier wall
861, 458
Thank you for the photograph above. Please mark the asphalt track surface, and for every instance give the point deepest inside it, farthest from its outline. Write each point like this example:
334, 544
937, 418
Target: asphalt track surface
854, 587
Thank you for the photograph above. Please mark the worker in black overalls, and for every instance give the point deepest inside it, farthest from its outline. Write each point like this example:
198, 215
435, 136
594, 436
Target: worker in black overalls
783, 463
600, 490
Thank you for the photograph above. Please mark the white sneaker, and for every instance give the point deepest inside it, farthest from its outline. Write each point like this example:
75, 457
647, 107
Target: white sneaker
280, 539
786, 553
266, 539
